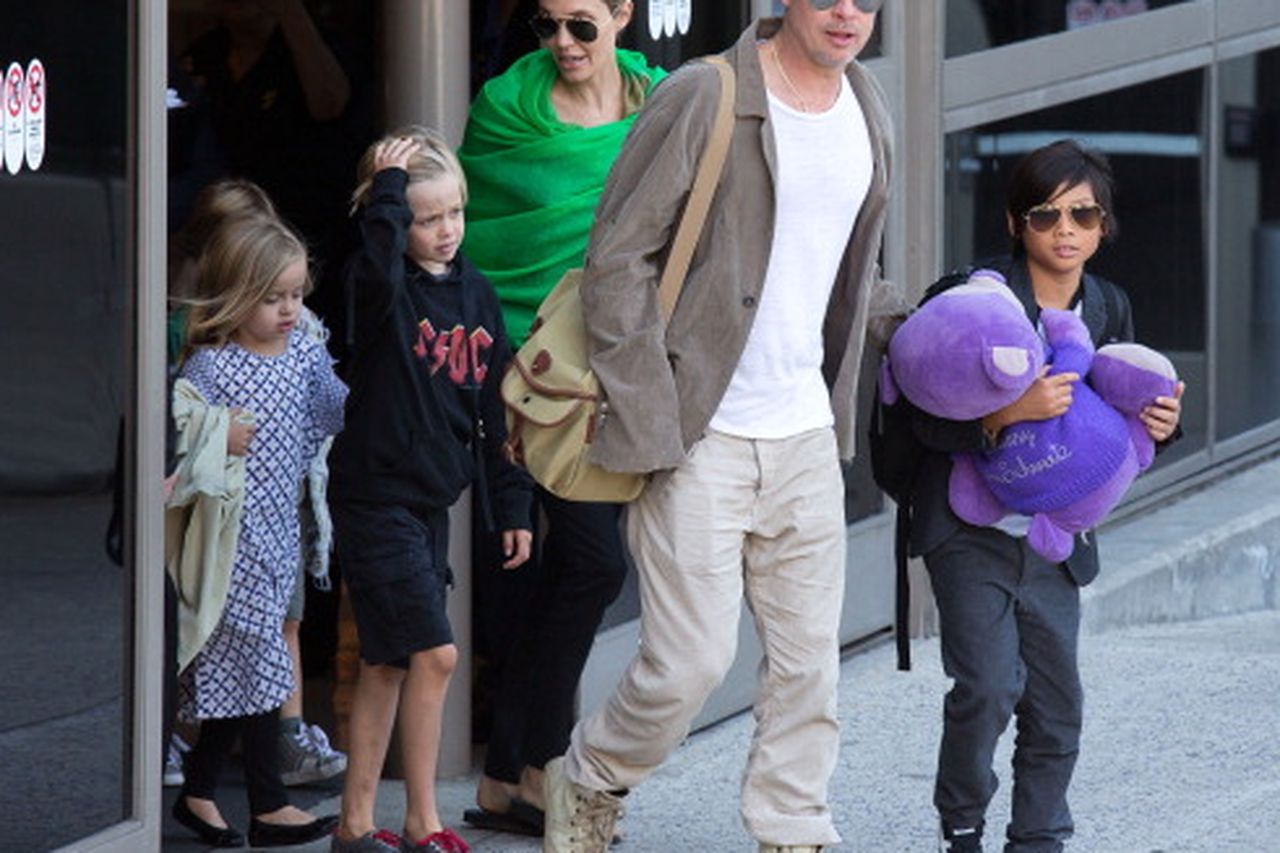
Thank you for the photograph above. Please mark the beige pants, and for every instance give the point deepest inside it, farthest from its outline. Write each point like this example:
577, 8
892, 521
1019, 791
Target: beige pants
755, 516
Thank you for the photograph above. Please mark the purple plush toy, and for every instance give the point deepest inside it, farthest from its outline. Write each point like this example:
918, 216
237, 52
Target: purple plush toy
971, 350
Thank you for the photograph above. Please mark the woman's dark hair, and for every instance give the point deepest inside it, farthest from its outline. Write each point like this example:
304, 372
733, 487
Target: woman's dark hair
1065, 163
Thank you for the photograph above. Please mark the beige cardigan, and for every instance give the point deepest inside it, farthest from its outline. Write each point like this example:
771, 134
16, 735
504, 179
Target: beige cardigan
202, 517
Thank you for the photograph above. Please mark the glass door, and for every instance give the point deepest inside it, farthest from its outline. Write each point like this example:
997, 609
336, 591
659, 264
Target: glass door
67, 299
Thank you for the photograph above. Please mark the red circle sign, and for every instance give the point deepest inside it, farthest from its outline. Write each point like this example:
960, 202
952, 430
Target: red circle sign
13, 92
35, 88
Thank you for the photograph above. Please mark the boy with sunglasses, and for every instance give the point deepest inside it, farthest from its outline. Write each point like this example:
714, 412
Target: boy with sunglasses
741, 408
1010, 619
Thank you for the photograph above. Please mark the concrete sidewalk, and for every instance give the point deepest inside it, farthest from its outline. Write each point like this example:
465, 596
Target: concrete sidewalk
1180, 751
1180, 754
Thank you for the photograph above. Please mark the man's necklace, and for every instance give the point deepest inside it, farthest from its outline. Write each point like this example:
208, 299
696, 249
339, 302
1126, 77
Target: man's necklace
777, 60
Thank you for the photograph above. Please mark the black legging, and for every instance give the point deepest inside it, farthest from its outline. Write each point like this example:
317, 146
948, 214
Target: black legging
583, 565
259, 744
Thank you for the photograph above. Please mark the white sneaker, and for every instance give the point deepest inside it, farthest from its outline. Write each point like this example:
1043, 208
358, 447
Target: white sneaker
790, 848
306, 756
173, 761
578, 819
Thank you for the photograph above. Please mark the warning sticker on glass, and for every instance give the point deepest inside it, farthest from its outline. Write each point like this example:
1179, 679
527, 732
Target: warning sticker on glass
14, 117
37, 90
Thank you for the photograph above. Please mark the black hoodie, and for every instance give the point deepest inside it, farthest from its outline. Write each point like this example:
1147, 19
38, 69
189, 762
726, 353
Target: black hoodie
424, 418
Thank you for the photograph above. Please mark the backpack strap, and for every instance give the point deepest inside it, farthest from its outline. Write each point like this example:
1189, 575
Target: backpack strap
902, 518
902, 585
1111, 299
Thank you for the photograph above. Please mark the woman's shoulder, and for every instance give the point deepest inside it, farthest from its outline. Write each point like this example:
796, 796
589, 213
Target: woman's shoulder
635, 64
512, 107
526, 77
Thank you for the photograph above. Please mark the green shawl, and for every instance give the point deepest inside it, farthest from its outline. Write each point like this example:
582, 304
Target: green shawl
533, 181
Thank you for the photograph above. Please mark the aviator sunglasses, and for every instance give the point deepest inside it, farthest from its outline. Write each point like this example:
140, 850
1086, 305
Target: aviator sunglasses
1044, 217
867, 6
545, 27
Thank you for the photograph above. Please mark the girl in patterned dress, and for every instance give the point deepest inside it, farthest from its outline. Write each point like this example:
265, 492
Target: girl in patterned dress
247, 351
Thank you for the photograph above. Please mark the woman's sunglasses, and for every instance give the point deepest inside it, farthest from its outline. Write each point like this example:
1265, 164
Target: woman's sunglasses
1045, 217
867, 6
545, 27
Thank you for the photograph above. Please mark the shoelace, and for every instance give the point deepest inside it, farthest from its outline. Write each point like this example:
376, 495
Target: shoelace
319, 740
599, 815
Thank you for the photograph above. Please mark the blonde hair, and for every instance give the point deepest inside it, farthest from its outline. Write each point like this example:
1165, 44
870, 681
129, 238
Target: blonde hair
237, 269
432, 159
215, 205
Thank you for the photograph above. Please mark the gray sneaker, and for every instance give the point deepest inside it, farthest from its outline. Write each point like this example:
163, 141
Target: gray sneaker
579, 820
173, 757
305, 756
377, 841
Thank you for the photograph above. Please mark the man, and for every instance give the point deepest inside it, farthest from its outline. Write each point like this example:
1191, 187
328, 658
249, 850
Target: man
743, 406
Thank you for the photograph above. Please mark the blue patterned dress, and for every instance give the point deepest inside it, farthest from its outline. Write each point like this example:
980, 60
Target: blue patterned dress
296, 401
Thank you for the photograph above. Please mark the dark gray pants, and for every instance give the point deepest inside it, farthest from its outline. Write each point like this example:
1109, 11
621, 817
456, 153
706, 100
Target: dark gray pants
1010, 623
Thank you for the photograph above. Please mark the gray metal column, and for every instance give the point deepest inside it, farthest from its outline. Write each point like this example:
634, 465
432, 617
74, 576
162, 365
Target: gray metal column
426, 64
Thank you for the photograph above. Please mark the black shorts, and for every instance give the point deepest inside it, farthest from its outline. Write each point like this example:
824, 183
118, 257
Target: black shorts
397, 574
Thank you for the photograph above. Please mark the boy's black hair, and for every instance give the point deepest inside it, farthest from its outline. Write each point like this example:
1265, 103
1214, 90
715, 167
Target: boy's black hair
1039, 174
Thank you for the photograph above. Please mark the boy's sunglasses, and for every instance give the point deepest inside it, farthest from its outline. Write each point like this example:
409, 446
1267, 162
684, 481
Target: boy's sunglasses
867, 6
1044, 217
545, 27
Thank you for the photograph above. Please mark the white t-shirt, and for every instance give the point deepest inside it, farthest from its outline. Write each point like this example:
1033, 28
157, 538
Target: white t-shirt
823, 173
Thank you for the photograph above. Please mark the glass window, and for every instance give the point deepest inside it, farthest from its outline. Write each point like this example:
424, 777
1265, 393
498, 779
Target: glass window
974, 25
1152, 134
66, 700
1248, 294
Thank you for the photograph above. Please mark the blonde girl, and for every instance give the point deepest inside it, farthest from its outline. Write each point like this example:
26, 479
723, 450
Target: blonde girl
424, 422
245, 351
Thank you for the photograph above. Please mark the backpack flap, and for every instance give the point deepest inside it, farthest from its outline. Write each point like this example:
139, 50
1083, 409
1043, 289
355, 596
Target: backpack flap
545, 403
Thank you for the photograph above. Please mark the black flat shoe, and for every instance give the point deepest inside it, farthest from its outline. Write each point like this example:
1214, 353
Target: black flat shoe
263, 834
214, 836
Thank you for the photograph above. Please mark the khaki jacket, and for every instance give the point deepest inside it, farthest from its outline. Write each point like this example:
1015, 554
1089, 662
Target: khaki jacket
662, 385
202, 517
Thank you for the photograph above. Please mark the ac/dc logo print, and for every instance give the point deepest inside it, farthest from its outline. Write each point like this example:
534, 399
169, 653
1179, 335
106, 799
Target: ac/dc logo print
464, 355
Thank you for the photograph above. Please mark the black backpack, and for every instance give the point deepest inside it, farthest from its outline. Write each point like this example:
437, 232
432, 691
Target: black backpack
896, 455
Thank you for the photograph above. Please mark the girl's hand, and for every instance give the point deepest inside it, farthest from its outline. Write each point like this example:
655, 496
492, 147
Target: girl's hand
394, 154
239, 434
516, 547
1161, 417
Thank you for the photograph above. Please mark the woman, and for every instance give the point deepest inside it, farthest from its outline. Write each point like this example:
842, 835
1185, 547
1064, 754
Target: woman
538, 147
1009, 618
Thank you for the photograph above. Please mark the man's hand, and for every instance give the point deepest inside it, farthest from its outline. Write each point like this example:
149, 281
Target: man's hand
516, 547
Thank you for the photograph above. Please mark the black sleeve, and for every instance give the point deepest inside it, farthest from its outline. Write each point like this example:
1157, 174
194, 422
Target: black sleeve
510, 485
947, 436
377, 271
